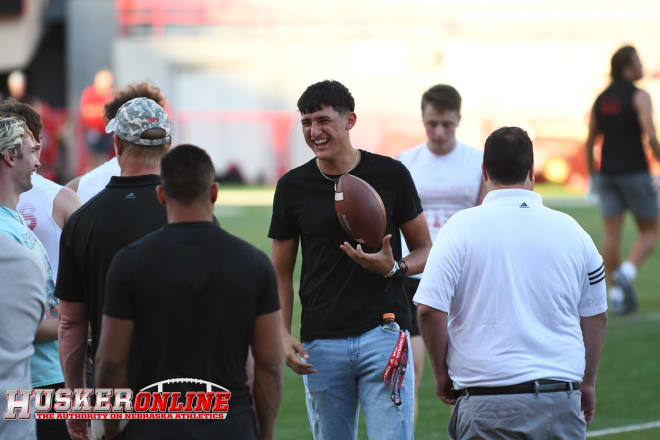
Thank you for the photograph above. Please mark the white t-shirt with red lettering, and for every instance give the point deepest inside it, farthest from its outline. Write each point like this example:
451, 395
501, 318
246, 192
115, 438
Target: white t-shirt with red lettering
445, 183
36, 207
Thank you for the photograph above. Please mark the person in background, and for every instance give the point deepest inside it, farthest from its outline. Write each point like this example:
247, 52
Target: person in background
447, 175
623, 115
92, 101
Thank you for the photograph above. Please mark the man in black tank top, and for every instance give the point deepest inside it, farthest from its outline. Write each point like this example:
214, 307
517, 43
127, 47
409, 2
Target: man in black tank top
622, 114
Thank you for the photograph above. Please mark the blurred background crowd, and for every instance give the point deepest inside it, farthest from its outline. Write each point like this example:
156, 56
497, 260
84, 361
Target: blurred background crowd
231, 71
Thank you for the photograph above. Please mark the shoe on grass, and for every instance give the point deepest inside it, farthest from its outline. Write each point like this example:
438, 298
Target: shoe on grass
630, 302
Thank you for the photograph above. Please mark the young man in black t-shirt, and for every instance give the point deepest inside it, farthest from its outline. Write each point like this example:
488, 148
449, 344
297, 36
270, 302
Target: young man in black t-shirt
124, 211
345, 289
623, 115
186, 301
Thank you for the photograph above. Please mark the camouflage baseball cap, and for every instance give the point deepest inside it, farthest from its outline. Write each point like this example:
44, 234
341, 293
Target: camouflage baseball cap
137, 116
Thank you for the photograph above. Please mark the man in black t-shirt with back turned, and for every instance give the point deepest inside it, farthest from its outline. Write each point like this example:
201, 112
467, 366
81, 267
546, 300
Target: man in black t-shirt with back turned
345, 289
124, 211
186, 301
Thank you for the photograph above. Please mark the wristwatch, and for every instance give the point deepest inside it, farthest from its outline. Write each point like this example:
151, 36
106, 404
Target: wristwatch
394, 270
399, 269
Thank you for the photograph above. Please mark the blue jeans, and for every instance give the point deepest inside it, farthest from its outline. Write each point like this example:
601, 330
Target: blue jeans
349, 375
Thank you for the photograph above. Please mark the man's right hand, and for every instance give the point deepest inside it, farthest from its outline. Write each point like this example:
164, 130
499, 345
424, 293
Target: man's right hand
292, 348
444, 389
588, 402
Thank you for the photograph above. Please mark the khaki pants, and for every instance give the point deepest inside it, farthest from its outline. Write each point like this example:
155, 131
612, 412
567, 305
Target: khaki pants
555, 415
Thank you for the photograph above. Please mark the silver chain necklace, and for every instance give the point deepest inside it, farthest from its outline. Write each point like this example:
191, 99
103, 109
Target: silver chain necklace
336, 179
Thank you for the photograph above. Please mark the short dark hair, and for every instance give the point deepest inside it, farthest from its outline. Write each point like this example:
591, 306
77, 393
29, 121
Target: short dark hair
148, 154
186, 173
621, 59
329, 93
132, 91
508, 155
26, 112
442, 97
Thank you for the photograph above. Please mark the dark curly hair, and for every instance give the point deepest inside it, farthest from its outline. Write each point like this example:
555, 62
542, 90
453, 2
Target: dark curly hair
137, 90
329, 93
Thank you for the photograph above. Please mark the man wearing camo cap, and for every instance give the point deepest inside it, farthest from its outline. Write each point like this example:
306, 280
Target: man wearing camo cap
123, 212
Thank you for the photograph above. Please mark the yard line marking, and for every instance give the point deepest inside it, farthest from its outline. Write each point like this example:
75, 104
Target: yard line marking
608, 431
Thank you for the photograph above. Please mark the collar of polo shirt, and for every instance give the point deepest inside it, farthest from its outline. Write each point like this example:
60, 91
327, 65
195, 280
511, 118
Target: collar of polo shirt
512, 193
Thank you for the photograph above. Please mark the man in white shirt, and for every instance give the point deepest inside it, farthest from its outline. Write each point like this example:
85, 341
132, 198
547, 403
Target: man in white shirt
447, 174
512, 307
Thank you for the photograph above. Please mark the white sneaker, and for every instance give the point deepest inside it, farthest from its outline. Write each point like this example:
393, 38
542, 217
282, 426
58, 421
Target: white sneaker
630, 302
616, 299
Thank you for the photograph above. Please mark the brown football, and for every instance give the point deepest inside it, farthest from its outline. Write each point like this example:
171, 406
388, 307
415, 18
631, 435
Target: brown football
360, 210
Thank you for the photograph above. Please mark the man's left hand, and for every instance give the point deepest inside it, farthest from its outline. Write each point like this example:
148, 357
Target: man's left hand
380, 262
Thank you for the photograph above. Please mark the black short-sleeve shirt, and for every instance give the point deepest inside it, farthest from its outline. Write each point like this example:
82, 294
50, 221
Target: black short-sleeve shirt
124, 211
194, 292
339, 298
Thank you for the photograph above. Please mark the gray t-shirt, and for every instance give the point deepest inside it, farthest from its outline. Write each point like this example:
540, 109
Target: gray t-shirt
22, 281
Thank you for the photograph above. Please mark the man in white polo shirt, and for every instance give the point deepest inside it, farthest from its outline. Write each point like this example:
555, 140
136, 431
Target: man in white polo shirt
511, 303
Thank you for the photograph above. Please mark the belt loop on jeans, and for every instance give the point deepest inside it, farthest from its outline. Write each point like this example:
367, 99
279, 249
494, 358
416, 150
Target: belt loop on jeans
537, 387
570, 389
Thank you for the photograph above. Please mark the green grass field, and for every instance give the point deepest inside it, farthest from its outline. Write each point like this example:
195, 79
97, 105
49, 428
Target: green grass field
629, 377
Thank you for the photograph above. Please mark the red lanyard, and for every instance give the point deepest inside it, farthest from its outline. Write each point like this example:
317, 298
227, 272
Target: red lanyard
396, 368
